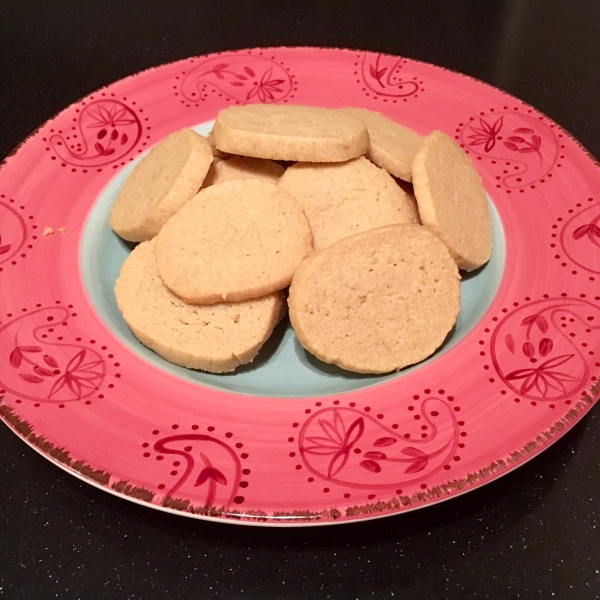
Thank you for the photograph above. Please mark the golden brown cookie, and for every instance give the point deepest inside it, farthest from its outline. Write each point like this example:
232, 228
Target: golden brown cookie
234, 241
160, 184
243, 167
290, 132
452, 200
392, 146
376, 301
216, 152
408, 189
341, 199
217, 338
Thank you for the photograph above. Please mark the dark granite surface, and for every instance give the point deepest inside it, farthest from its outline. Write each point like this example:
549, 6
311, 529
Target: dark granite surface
534, 533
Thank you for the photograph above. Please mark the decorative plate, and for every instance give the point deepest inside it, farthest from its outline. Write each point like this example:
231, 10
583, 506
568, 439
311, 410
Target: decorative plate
288, 440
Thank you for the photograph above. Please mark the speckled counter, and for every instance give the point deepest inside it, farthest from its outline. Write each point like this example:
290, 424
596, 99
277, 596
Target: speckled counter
533, 533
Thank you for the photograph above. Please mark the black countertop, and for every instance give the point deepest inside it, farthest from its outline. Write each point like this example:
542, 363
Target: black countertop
533, 533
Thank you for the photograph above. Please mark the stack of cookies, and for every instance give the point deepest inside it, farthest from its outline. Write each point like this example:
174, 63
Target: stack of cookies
364, 220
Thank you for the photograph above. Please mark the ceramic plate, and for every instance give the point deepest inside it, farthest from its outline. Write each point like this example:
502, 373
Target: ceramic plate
289, 440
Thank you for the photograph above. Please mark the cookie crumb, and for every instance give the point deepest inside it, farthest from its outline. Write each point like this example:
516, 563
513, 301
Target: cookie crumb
47, 231
62, 229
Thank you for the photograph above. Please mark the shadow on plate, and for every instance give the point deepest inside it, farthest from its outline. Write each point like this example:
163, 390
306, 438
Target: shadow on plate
128, 245
333, 370
266, 352
466, 275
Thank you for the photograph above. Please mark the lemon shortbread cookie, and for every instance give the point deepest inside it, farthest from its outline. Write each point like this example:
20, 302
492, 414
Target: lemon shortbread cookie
160, 184
392, 145
216, 338
376, 301
233, 241
452, 200
341, 199
290, 132
243, 167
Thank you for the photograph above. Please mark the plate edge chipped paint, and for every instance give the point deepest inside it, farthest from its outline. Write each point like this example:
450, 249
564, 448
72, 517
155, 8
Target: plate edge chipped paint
516, 334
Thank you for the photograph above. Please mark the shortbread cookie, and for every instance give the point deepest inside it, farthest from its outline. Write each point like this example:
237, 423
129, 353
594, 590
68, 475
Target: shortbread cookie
377, 301
408, 189
290, 132
392, 146
216, 152
341, 199
234, 241
217, 338
243, 167
160, 184
452, 200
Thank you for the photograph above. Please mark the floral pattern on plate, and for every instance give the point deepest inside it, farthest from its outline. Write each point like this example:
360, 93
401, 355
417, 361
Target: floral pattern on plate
82, 393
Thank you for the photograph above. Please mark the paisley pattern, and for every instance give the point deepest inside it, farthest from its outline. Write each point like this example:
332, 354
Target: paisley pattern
205, 467
580, 238
242, 78
13, 232
521, 149
376, 447
347, 447
106, 131
36, 369
539, 350
387, 76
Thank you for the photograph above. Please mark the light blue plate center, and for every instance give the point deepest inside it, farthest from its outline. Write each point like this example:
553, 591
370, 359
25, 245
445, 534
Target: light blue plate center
282, 368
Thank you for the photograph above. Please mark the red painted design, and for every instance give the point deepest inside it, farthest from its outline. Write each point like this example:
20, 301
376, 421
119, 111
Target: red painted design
580, 238
524, 148
107, 131
353, 449
13, 232
211, 467
244, 78
35, 369
292, 484
537, 349
384, 75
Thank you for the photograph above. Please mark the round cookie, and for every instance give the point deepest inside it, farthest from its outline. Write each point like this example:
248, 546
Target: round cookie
290, 132
377, 301
216, 338
243, 167
392, 146
341, 199
160, 184
233, 241
452, 200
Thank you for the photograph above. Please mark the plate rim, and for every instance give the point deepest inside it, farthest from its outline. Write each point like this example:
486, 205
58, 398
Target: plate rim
579, 409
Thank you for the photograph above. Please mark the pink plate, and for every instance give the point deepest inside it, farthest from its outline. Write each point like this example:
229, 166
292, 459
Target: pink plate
288, 440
